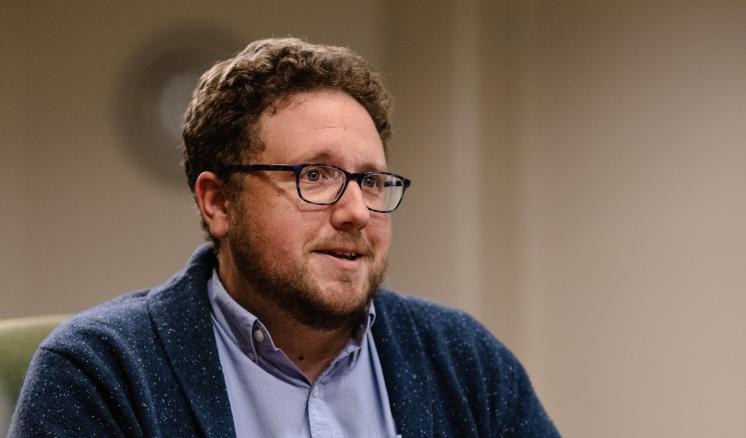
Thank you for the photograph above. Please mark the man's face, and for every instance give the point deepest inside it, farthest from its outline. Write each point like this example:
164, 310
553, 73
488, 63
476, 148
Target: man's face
296, 254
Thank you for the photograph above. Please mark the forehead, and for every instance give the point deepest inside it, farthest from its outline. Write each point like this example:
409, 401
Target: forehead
326, 126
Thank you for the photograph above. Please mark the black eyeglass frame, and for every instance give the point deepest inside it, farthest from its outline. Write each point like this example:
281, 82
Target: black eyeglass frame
298, 168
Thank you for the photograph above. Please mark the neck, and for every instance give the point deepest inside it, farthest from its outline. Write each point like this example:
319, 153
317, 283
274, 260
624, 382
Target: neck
311, 349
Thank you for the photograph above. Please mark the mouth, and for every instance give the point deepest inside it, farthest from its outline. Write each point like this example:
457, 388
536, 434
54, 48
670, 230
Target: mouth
343, 255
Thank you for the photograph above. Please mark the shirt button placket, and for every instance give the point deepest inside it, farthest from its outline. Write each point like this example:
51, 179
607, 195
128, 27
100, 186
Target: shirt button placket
316, 414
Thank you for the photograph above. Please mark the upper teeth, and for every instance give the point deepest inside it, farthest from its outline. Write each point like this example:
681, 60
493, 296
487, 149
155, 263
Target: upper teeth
344, 254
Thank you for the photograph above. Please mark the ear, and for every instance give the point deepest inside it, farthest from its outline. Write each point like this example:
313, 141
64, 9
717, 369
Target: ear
212, 200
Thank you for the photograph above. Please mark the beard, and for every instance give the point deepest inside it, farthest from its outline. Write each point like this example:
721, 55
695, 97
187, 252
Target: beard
294, 290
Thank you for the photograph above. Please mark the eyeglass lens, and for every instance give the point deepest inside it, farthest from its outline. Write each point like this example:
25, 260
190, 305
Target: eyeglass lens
323, 184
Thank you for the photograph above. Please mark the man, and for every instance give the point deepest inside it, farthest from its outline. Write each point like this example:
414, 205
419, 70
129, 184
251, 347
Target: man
279, 327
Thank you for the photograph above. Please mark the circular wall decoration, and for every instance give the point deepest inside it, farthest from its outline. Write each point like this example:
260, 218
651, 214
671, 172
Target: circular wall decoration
156, 90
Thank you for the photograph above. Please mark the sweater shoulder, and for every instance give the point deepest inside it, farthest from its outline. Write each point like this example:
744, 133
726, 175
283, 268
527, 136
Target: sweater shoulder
122, 319
439, 325
428, 314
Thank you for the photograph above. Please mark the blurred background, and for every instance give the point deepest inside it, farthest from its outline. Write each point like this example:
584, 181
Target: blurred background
579, 175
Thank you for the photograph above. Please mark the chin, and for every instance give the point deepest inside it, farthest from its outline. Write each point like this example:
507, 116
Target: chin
345, 295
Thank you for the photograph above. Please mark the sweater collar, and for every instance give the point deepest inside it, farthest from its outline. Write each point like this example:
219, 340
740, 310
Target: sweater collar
180, 312
409, 382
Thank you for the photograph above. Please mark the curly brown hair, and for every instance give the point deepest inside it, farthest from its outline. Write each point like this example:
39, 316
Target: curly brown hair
220, 125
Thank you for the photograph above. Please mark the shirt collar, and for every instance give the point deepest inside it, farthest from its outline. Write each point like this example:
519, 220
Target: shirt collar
248, 333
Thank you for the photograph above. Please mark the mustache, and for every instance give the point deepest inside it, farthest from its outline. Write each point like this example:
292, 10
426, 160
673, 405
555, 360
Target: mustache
345, 240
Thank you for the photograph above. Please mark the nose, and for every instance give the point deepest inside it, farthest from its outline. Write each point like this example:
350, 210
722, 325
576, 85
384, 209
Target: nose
350, 212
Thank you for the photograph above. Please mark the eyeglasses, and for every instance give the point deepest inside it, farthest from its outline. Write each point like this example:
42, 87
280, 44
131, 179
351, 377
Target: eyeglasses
323, 184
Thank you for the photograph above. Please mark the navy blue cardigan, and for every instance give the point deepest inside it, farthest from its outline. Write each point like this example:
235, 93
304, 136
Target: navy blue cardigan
146, 364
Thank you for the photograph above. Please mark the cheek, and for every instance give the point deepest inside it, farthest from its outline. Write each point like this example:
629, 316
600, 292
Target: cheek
276, 220
284, 237
379, 232
290, 232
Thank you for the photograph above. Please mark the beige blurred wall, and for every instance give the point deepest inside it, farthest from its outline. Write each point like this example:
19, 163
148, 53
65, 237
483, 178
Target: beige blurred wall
578, 172
632, 157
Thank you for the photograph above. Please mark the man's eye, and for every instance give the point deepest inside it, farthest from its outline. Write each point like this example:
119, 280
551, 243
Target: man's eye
313, 175
370, 181
320, 175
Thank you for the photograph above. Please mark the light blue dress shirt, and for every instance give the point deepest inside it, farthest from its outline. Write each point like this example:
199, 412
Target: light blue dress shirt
270, 396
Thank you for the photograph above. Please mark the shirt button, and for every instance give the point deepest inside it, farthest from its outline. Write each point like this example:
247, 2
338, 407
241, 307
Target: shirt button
315, 391
259, 336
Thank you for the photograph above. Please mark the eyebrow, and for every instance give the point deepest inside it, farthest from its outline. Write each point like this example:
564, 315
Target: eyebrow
320, 156
327, 158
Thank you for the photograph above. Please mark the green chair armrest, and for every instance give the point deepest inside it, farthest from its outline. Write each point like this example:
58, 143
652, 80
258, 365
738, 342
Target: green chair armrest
19, 339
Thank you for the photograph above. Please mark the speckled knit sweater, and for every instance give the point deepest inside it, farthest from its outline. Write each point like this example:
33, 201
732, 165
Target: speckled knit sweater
146, 364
